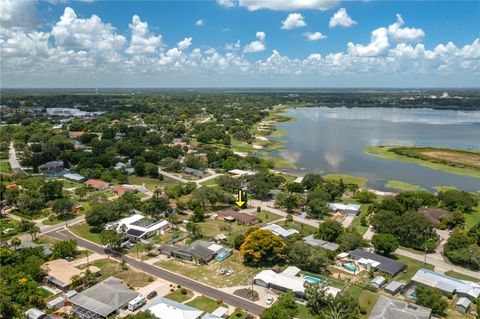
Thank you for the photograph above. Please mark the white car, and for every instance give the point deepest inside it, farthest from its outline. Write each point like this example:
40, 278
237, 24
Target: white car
270, 300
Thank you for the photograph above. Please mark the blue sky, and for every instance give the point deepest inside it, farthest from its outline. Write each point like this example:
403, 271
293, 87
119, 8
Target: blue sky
411, 45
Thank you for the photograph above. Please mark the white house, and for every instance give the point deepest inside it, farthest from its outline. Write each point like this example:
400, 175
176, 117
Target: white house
138, 227
352, 209
280, 231
166, 308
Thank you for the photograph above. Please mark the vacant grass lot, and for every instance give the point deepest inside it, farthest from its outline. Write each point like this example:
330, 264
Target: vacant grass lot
151, 183
85, 231
204, 303
179, 296
267, 217
133, 278
472, 218
367, 300
213, 227
208, 273
304, 229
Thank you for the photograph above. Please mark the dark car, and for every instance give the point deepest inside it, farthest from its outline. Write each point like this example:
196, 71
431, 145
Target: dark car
112, 252
152, 294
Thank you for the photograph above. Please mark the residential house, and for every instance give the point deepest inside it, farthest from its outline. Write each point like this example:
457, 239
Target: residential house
280, 231
242, 218
77, 178
120, 190
368, 261
352, 209
199, 251
447, 284
288, 280
273, 193
97, 184
138, 227
165, 308
312, 241
76, 134
60, 273
52, 168
28, 244
387, 308
103, 300
194, 172
435, 215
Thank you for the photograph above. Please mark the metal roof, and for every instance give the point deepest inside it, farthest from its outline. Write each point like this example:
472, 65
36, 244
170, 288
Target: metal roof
310, 240
166, 308
387, 308
386, 265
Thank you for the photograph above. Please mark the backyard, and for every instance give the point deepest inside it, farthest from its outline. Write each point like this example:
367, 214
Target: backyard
204, 303
180, 295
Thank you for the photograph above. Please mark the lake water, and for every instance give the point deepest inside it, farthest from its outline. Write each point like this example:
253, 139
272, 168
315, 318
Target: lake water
331, 140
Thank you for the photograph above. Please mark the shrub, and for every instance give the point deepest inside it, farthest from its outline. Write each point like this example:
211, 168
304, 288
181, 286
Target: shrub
184, 291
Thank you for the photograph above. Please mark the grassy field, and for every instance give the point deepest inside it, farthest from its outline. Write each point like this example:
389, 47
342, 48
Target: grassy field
32, 182
267, 217
238, 315
305, 230
5, 167
357, 221
304, 312
45, 293
60, 219
452, 161
213, 227
204, 303
472, 218
208, 273
178, 296
84, 231
278, 162
412, 267
109, 267
461, 276
402, 186
347, 179
367, 300
151, 183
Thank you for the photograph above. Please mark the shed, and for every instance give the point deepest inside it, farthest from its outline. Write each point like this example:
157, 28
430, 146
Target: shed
34, 313
393, 287
379, 281
70, 294
463, 304
56, 303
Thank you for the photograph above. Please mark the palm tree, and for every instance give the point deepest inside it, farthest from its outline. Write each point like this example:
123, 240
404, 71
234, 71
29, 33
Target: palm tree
33, 230
15, 242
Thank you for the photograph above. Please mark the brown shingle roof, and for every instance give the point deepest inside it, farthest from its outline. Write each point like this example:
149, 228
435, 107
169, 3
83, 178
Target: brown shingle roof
95, 183
242, 217
435, 215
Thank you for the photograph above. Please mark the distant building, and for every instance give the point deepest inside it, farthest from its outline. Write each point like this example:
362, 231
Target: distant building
194, 172
387, 308
310, 240
66, 112
103, 300
352, 209
242, 218
76, 134
373, 261
74, 177
52, 168
34, 313
280, 231
28, 244
97, 184
435, 215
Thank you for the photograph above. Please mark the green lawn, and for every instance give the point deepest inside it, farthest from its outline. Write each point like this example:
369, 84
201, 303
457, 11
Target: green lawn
304, 312
357, 221
238, 315
412, 267
59, 219
367, 300
204, 303
267, 217
213, 227
151, 183
5, 167
461, 276
210, 182
472, 218
45, 293
402, 186
84, 231
178, 296
347, 179
109, 267
32, 182
304, 229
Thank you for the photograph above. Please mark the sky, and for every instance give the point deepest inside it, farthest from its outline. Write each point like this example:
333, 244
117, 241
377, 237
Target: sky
239, 43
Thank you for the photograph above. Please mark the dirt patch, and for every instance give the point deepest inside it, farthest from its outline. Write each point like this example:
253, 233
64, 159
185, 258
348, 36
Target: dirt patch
247, 294
463, 158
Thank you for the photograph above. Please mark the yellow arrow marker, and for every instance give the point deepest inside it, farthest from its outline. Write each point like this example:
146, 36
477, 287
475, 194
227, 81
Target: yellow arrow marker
239, 202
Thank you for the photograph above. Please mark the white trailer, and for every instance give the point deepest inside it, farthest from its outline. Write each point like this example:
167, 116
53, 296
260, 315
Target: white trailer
136, 303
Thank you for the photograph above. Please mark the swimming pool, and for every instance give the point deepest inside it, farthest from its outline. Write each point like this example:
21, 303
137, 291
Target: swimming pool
413, 295
313, 279
223, 255
349, 267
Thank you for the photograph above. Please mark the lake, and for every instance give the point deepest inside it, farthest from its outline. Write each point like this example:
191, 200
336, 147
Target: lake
332, 140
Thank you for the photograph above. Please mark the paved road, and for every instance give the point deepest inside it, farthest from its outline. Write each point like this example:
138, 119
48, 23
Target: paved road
440, 264
183, 180
230, 299
12, 158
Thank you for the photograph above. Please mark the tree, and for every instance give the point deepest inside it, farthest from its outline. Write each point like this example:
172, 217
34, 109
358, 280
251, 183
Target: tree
64, 248
238, 240
343, 306
461, 249
350, 239
15, 242
457, 200
385, 243
62, 206
308, 258
295, 187
431, 298
316, 295
31, 202
52, 190
198, 214
81, 191
262, 246
285, 308
111, 238
365, 196
141, 315
194, 230
329, 230
317, 207
310, 181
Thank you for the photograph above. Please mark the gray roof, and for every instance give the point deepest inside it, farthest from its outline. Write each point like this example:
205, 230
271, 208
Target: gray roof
464, 302
387, 308
28, 244
310, 240
379, 280
105, 297
51, 164
70, 294
34, 313
393, 286
387, 265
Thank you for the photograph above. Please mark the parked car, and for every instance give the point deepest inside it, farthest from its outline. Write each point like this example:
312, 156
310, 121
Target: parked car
229, 273
112, 252
152, 294
221, 271
270, 300
69, 258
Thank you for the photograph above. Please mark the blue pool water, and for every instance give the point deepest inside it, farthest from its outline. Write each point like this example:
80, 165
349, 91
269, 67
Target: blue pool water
313, 279
350, 267
222, 256
413, 295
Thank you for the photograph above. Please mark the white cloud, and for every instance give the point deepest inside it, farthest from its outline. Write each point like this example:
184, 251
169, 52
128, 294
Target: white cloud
400, 34
378, 45
85, 34
294, 21
288, 5
142, 41
256, 46
19, 13
227, 3
314, 36
200, 23
233, 46
341, 18
184, 44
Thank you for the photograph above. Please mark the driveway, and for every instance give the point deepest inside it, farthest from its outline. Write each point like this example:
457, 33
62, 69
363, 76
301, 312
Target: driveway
64, 234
